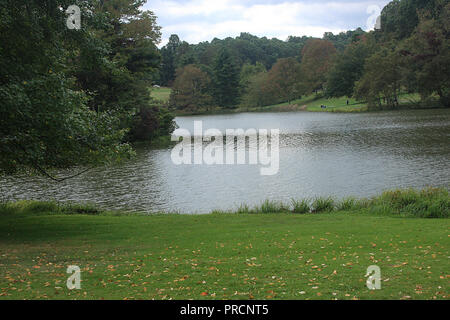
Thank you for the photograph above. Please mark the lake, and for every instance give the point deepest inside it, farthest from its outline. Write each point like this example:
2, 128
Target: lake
321, 154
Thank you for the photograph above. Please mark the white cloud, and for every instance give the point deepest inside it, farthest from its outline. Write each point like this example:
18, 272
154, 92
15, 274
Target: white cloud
203, 20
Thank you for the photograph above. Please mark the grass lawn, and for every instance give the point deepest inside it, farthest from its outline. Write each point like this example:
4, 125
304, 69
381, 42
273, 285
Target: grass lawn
313, 103
223, 256
161, 94
337, 105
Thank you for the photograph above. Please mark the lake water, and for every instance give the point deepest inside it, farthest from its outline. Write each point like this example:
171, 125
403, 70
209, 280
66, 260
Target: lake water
321, 154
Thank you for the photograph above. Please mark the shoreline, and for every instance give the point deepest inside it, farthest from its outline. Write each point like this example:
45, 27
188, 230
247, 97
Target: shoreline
312, 107
426, 203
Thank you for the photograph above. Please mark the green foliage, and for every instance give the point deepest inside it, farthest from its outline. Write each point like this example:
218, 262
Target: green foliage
225, 84
31, 207
247, 72
271, 207
259, 92
322, 205
300, 206
399, 18
344, 39
381, 81
428, 203
426, 57
191, 89
161, 95
69, 96
151, 123
347, 69
45, 120
349, 204
168, 66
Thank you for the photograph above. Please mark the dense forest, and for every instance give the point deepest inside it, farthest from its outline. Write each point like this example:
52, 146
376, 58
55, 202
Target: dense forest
74, 97
410, 53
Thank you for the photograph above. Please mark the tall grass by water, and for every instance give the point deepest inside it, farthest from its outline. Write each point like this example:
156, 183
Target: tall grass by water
426, 203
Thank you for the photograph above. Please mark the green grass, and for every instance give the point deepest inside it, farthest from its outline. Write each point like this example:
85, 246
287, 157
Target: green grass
314, 102
336, 105
161, 94
229, 256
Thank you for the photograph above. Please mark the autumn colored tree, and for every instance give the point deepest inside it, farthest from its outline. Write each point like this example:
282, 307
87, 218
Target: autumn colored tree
191, 89
285, 80
317, 58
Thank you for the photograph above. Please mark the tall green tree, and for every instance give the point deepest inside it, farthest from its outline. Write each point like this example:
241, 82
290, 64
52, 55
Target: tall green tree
169, 56
45, 119
347, 68
381, 82
426, 57
225, 80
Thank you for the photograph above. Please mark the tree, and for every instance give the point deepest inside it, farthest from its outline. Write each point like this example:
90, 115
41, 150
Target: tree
247, 72
45, 121
259, 92
168, 66
190, 89
427, 57
132, 67
347, 69
381, 80
285, 80
400, 17
343, 39
225, 80
317, 57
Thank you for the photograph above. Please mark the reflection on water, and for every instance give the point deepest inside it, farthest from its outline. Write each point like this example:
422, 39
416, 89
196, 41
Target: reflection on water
320, 154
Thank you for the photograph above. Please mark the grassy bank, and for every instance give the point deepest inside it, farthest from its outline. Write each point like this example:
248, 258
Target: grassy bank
224, 256
161, 94
311, 103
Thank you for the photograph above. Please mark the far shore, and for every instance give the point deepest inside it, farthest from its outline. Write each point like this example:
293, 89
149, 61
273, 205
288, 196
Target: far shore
310, 103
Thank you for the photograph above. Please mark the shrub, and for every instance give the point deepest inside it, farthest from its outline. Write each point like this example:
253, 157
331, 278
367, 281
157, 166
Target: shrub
301, 206
322, 205
271, 207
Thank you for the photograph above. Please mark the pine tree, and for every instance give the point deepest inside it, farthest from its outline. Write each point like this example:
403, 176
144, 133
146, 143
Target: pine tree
225, 80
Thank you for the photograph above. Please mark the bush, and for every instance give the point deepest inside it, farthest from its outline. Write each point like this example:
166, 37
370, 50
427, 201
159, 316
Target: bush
271, 207
301, 206
428, 203
322, 205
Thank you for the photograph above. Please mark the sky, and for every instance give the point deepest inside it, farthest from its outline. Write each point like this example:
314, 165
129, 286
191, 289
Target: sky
203, 20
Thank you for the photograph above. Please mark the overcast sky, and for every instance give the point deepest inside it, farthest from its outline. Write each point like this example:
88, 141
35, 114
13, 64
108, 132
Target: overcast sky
203, 20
